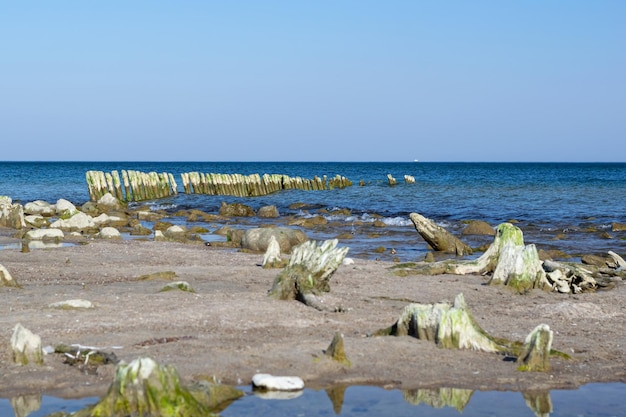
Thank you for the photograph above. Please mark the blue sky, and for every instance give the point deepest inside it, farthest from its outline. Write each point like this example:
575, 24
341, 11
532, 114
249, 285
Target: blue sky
313, 81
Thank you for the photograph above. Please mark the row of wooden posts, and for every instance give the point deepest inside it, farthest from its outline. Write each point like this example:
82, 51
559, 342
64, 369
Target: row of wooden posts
139, 186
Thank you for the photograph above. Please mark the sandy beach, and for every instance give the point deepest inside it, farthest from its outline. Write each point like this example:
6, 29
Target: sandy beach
229, 329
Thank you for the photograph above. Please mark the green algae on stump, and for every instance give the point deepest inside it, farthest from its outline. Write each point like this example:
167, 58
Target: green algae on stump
145, 388
308, 273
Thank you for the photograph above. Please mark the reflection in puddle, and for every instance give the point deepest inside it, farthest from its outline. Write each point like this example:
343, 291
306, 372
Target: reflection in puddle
592, 399
35, 244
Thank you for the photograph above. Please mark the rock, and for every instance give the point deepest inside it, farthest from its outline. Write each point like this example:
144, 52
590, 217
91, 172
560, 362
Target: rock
176, 233
236, 210
110, 220
6, 280
277, 383
44, 234
258, 239
139, 230
478, 227
177, 285
37, 221
11, 215
40, 207
75, 304
347, 261
167, 275
108, 203
64, 209
78, 222
109, 233
268, 212
594, 260
26, 346
618, 227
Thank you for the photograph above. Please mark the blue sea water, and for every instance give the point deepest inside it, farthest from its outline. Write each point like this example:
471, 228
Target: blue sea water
566, 206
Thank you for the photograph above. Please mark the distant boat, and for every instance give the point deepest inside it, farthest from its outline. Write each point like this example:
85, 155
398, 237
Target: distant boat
416, 160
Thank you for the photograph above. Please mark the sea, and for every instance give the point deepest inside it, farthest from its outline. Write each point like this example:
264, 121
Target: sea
570, 209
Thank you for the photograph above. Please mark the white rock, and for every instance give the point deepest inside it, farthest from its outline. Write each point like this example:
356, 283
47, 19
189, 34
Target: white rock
347, 261
65, 208
79, 221
109, 233
70, 304
36, 220
44, 234
40, 207
109, 201
277, 383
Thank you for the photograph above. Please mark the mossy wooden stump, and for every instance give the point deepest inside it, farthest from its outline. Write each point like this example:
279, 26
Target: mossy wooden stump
308, 273
144, 388
438, 237
507, 259
453, 327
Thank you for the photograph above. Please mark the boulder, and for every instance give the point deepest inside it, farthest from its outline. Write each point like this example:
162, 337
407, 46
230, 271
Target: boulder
36, 221
44, 234
65, 209
11, 215
236, 210
78, 222
268, 212
109, 233
108, 203
40, 207
478, 227
618, 227
258, 239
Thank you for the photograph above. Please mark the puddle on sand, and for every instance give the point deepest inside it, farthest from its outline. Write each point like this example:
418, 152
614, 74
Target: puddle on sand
590, 400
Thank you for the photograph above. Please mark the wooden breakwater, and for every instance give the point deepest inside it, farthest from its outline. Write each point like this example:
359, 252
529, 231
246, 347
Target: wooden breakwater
132, 186
139, 186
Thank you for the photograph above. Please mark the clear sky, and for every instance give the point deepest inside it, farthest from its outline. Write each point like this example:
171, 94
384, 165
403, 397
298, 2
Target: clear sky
320, 80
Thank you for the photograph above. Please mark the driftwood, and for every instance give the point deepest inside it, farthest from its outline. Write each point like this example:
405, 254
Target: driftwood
453, 327
437, 237
308, 273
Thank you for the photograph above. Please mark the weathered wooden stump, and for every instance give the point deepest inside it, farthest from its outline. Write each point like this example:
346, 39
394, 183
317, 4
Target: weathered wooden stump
6, 280
438, 237
453, 327
308, 273
508, 261
145, 388
26, 346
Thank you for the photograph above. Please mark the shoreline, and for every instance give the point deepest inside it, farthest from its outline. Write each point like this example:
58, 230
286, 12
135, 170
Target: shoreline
228, 329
